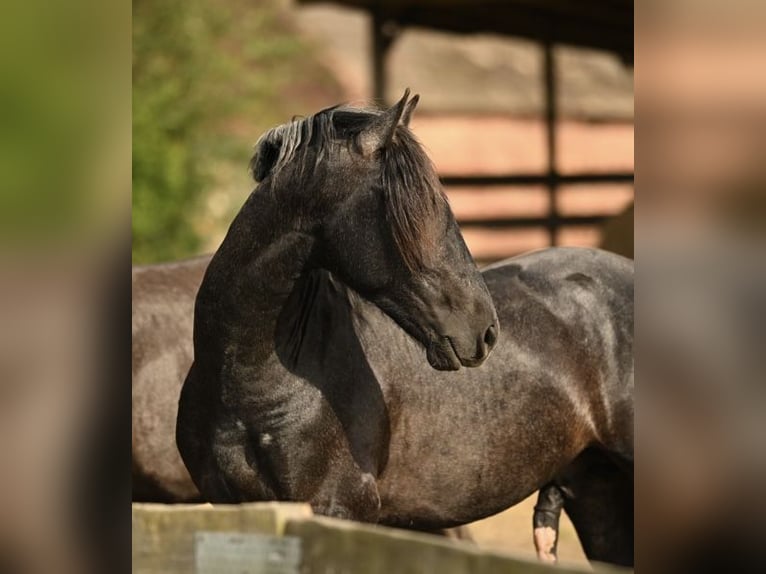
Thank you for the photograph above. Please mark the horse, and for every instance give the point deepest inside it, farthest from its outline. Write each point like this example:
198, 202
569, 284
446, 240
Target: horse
163, 308
163, 311
343, 268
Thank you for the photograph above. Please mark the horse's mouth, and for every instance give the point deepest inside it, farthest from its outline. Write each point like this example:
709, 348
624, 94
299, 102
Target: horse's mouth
441, 355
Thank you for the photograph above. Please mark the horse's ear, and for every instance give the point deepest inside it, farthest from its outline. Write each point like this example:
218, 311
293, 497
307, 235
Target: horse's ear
266, 155
408, 109
380, 131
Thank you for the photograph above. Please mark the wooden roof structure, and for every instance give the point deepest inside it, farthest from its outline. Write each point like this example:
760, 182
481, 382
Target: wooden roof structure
605, 25
599, 24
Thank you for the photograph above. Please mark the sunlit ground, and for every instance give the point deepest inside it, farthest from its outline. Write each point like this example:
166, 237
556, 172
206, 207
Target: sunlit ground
511, 531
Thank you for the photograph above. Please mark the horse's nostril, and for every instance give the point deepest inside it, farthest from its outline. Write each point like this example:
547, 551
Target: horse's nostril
490, 336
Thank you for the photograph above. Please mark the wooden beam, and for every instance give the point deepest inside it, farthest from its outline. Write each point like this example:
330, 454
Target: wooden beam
521, 222
520, 179
551, 124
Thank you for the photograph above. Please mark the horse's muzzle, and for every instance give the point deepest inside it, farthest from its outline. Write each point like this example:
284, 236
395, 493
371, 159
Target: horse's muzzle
444, 354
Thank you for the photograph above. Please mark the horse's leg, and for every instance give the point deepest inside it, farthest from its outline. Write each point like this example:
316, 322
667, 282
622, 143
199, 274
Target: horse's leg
598, 498
351, 496
545, 522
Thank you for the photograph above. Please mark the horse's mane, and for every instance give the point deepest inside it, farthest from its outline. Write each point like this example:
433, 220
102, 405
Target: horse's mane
413, 196
411, 190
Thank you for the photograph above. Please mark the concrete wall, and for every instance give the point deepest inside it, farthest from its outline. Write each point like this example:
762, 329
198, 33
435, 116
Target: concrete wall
287, 538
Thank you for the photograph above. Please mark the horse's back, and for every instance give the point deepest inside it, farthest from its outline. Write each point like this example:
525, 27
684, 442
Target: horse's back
555, 263
582, 286
591, 285
167, 280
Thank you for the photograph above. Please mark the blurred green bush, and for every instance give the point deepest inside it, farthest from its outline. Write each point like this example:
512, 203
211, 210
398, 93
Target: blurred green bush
208, 78
172, 44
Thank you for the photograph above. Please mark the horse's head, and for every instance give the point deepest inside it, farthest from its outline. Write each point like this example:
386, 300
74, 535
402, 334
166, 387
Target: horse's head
366, 189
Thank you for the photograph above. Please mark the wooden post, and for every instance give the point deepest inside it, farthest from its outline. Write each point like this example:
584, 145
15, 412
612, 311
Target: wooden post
383, 32
551, 120
378, 56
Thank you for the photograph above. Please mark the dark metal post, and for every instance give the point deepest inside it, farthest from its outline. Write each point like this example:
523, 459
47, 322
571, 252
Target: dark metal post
379, 48
551, 120
384, 31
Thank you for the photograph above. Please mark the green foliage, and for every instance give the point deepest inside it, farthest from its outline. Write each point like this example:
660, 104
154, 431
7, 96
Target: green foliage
171, 44
208, 78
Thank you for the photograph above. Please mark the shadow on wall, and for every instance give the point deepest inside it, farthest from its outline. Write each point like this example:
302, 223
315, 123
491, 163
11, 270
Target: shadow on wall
618, 233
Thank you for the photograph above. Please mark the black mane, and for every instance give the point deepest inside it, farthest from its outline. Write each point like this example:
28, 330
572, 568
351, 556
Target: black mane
409, 184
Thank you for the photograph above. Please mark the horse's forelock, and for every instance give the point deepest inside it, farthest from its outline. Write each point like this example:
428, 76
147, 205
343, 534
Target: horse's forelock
318, 131
293, 138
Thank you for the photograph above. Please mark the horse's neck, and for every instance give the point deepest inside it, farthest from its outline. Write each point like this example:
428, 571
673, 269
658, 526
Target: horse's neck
248, 282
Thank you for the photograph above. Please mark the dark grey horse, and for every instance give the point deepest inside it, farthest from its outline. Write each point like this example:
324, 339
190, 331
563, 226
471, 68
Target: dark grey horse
163, 308
342, 270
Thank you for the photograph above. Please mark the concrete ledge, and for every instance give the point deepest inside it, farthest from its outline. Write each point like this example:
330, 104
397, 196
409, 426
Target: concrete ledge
331, 546
163, 534
164, 542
